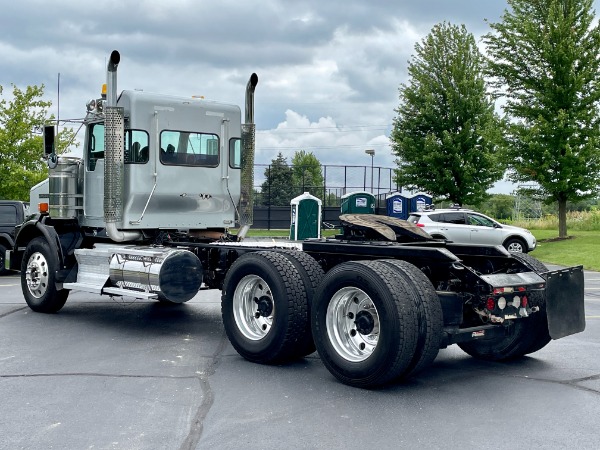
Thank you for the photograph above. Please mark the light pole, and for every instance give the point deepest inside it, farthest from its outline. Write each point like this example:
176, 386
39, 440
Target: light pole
371, 152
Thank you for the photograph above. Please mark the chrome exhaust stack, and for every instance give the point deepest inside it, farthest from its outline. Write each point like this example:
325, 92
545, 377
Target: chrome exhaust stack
114, 161
245, 208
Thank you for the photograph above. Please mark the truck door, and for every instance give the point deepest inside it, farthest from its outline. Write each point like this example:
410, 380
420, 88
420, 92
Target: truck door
93, 201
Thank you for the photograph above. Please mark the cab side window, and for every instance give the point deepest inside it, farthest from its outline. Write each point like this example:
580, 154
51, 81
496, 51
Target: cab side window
95, 148
136, 149
235, 153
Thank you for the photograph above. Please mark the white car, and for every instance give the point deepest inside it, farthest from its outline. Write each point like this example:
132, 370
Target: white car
464, 226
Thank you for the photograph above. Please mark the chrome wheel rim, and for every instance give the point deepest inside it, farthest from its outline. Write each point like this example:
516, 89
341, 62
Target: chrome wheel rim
515, 247
36, 275
253, 307
353, 324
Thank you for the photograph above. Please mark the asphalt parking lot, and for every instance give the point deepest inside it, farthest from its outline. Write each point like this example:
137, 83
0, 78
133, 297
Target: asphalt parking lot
124, 374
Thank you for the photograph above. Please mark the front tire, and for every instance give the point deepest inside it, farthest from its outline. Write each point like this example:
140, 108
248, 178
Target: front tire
265, 308
38, 271
364, 323
515, 245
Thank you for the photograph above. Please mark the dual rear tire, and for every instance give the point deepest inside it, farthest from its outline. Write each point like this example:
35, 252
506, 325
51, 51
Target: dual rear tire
376, 321
371, 321
265, 305
528, 335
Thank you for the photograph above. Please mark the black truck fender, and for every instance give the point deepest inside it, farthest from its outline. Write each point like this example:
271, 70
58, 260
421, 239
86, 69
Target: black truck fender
30, 230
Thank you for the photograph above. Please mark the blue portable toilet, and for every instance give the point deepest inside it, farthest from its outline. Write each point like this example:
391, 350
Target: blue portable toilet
397, 205
358, 203
306, 217
420, 201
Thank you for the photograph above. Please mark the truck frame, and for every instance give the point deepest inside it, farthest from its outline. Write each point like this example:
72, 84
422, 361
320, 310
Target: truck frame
147, 213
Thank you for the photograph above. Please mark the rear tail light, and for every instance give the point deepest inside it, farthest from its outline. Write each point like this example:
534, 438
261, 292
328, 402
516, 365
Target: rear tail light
420, 224
490, 304
524, 301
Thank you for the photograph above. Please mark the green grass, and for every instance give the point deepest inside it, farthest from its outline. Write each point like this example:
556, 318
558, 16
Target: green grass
582, 248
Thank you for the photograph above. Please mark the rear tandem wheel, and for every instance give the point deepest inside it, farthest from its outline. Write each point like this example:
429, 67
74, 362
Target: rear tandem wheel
365, 323
529, 335
265, 308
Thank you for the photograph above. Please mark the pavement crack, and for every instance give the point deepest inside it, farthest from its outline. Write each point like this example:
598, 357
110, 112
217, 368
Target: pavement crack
96, 374
571, 383
12, 312
197, 425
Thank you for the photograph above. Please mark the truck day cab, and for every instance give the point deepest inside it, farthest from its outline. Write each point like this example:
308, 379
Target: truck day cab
147, 213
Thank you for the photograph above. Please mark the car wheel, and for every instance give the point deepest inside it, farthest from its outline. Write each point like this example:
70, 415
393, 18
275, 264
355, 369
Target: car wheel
514, 245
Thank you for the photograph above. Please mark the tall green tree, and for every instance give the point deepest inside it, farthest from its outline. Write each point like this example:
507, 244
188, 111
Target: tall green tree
307, 174
21, 149
446, 132
277, 189
544, 57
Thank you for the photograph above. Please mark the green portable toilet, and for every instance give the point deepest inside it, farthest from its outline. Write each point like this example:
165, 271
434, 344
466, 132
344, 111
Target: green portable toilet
358, 203
306, 217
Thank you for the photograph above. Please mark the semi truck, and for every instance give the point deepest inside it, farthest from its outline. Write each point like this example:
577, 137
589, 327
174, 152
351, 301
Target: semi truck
158, 208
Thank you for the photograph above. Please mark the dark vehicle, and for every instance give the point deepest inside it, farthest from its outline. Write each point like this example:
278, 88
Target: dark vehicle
12, 213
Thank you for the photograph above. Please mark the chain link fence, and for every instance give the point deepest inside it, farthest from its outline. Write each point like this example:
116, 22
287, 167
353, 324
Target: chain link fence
337, 181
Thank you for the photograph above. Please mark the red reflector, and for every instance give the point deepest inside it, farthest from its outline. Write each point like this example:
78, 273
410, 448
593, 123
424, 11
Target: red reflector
524, 301
420, 225
498, 291
521, 289
491, 304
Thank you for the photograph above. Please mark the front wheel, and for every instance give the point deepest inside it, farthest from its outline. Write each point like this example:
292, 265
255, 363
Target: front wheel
38, 278
515, 246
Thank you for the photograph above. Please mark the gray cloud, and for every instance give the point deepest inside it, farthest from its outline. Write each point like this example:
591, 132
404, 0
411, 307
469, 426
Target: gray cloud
329, 70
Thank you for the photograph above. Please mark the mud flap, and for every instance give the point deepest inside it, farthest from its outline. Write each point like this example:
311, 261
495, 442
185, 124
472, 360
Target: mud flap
564, 302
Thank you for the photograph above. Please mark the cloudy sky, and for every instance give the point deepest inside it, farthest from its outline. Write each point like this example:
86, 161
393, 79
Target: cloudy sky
329, 71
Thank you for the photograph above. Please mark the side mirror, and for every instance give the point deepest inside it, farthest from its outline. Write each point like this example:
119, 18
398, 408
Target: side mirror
48, 139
